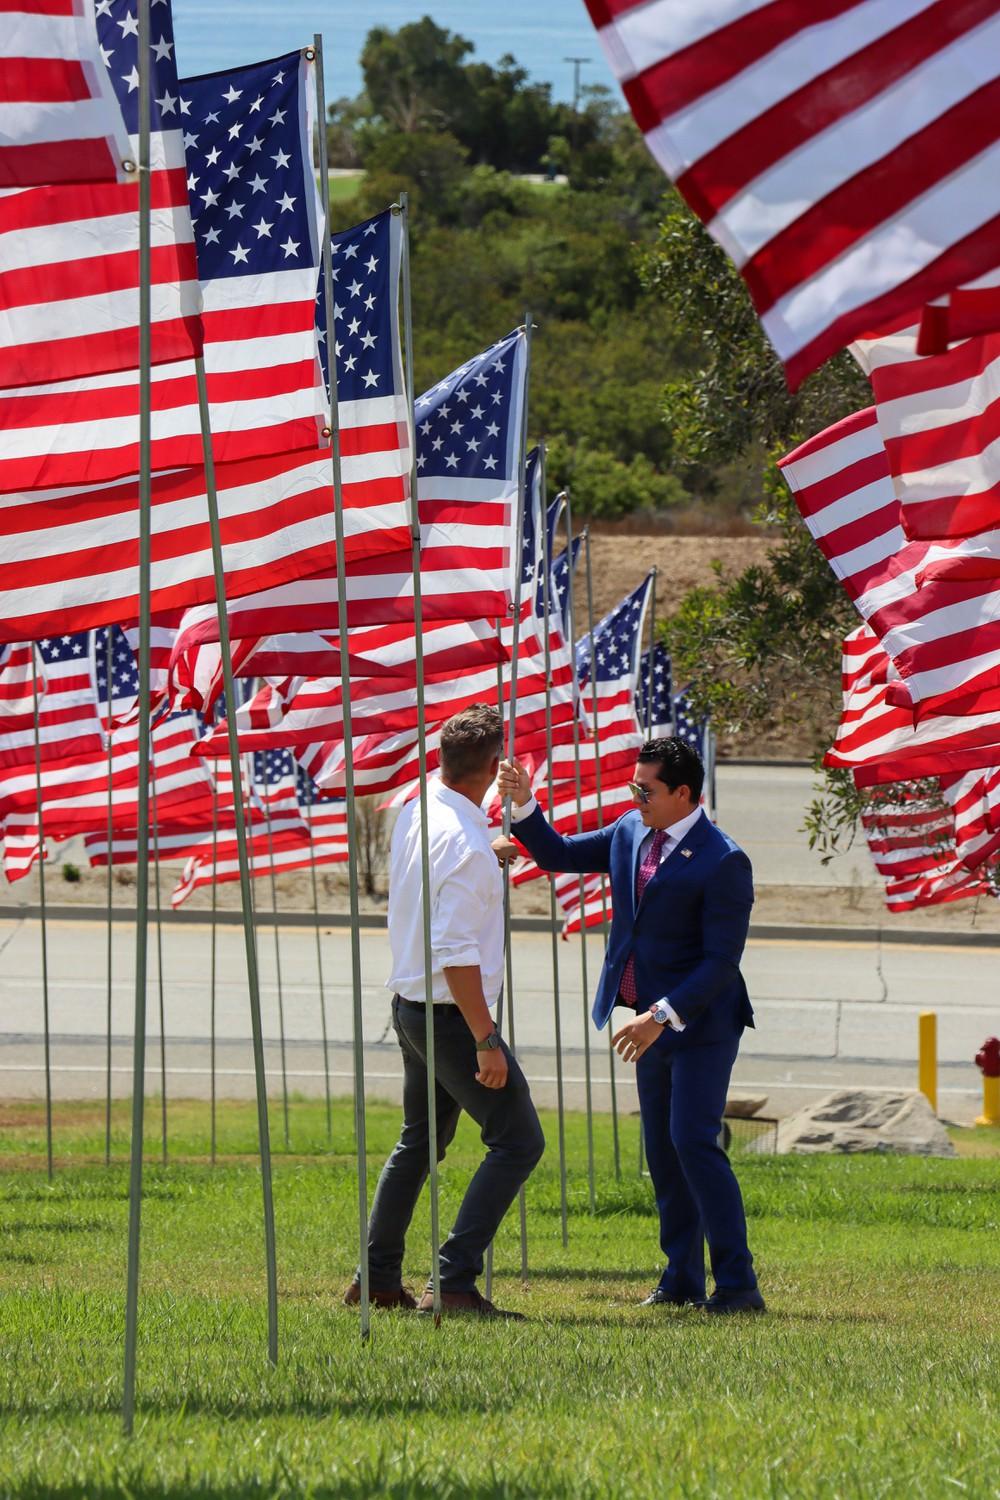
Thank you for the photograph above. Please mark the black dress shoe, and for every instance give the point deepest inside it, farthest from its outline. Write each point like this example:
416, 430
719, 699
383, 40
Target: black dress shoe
749, 1301
659, 1297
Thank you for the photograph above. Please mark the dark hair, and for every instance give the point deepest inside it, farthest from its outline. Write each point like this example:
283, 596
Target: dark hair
470, 741
679, 764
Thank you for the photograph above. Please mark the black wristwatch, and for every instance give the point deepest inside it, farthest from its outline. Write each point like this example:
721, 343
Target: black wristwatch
489, 1043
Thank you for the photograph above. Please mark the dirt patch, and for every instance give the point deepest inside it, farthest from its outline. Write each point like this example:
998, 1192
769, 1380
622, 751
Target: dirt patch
619, 564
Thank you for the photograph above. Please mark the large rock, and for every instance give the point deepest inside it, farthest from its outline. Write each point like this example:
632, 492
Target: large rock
849, 1120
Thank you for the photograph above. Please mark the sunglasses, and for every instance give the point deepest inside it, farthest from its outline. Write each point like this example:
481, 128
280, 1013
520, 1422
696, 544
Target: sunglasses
640, 793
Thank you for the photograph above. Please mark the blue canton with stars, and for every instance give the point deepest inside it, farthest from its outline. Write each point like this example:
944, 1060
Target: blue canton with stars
249, 171
118, 37
531, 542
274, 773
124, 672
688, 727
616, 639
561, 570
364, 311
466, 423
661, 723
59, 648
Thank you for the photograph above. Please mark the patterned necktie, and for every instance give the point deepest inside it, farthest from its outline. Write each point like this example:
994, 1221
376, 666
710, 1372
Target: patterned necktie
627, 992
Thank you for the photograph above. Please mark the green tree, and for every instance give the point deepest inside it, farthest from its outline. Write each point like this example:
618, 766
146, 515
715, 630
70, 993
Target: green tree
414, 78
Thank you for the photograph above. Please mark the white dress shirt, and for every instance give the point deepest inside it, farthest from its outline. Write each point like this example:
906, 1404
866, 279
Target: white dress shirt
676, 833
466, 895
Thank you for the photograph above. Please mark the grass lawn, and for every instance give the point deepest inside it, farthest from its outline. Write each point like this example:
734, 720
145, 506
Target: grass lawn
875, 1373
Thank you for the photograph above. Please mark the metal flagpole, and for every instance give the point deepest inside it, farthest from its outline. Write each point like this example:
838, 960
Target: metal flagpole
246, 896
557, 1017
110, 859
322, 991
588, 1080
425, 867
650, 679
600, 810
159, 965
522, 459
360, 1133
212, 961
142, 818
277, 966
47, 1038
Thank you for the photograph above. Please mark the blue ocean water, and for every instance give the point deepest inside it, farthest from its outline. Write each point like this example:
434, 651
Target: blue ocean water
541, 34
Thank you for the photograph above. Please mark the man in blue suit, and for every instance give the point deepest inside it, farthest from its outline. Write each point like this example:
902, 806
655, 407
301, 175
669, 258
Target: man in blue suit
681, 894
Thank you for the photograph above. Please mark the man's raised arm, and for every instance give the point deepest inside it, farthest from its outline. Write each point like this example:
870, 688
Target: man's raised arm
585, 853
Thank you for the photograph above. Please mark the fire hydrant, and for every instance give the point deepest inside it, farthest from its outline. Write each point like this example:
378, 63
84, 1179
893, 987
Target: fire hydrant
988, 1061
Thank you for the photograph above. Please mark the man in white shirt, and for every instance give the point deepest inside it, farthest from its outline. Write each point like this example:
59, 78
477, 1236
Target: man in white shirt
474, 1069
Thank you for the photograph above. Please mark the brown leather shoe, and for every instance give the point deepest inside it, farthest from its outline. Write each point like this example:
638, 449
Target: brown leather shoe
467, 1302
399, 1297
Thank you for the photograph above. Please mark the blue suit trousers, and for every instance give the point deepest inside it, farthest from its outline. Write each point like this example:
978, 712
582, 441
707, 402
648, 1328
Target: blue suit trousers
682, 1098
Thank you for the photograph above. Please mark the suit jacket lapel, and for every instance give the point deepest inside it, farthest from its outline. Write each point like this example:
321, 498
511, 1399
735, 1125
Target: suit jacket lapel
692, 840
639, 831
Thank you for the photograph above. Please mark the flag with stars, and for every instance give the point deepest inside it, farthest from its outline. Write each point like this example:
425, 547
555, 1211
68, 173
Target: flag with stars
610, 682
562, 571
60, 120
75, 793
69, 264
468, 429
372, 408
654, 696
253, 203
696, 730
68, 724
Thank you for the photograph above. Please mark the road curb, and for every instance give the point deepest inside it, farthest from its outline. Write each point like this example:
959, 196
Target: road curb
759, 932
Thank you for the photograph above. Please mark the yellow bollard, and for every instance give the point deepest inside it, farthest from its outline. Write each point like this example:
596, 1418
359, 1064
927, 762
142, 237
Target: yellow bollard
927, 1054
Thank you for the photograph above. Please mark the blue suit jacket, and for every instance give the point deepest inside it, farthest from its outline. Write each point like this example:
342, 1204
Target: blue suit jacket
688, 931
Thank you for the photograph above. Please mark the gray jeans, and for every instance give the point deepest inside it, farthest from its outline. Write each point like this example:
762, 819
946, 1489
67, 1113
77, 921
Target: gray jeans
510, 1131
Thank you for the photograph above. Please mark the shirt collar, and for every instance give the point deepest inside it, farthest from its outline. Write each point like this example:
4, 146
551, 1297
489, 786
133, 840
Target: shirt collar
683, 826
466, 810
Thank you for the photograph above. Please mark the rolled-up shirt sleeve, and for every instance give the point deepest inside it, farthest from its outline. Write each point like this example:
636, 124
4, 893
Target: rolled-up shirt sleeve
461, 901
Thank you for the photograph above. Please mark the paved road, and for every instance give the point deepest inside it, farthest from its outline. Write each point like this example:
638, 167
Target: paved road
828, 1014
763, 808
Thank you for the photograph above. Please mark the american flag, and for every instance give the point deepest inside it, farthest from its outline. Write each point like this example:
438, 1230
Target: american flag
69, 261
451, 647
68, 722
467, 483
975, 801
257, 249
70, 558
964, 313
562, 571
654, 697
938, 419
909, 832
843, 155
934, 605
617, 648
60, 120
948, 881
842, 486
75, 793
879, 742
596, 905
315, 834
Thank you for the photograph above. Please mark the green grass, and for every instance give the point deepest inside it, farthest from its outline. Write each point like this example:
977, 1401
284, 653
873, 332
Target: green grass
344, 188
875, 1373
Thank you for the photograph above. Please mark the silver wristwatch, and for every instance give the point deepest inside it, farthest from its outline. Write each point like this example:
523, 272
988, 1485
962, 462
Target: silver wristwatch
489, 1043
660, 1012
